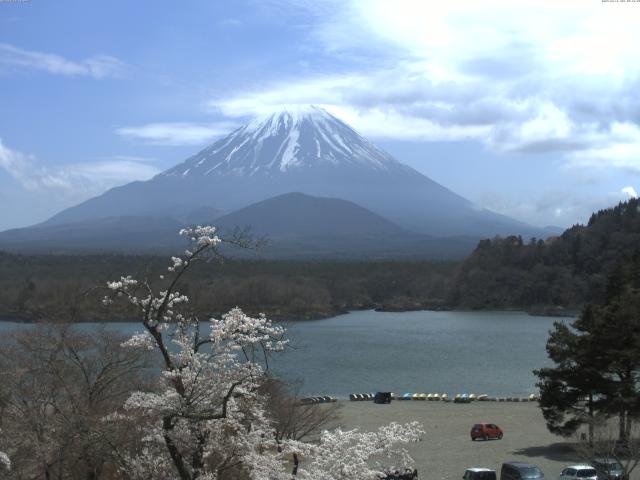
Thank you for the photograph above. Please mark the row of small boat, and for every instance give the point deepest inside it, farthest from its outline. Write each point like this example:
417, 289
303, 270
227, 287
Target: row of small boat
359, 397
426, 396
464, 398
443, 397
355, 397
311, 400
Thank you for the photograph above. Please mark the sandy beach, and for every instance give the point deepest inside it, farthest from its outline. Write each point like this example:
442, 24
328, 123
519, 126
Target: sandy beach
447, 450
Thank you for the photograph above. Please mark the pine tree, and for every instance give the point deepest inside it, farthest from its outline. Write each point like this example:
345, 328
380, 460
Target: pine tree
597, 361
569, 391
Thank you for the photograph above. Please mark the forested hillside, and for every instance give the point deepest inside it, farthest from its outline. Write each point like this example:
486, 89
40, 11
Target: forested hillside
36, 287
565, 271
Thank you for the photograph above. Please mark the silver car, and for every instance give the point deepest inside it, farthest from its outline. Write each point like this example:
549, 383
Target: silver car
579, 472
477, 473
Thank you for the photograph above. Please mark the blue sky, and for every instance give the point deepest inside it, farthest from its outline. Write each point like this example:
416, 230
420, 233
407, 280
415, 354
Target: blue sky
528, 108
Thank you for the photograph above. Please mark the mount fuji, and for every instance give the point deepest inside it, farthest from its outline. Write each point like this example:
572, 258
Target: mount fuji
295, 149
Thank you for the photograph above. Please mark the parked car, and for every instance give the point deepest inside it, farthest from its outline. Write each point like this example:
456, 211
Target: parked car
520, 471
382, 397
479, 474
608, 469
486, 431
405, 474
582, 472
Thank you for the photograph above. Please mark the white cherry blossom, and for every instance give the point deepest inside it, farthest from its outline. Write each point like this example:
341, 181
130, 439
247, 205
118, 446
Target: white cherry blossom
203, 418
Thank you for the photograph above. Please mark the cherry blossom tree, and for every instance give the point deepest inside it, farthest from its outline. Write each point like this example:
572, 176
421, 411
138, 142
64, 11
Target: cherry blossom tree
351, 454
205, 417
294, 419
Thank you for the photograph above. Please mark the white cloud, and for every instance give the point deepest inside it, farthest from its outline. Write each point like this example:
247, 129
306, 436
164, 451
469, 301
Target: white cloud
573, 35
630, 191
78, 181
618, 146
18, 165
97, 66
129, 158
176, 133
37, 191
393, 124
109, 173
525, 76
552, 207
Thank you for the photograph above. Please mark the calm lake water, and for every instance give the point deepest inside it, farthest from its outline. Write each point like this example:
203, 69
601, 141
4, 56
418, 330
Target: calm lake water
443, 352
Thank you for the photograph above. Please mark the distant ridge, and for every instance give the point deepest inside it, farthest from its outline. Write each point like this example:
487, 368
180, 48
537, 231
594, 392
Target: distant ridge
111, 234
295, 149
295, 225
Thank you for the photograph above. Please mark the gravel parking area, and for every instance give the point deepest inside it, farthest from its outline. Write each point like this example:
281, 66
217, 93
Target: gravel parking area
447, 450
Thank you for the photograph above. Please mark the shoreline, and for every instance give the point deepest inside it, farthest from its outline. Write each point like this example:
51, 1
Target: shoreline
286, 318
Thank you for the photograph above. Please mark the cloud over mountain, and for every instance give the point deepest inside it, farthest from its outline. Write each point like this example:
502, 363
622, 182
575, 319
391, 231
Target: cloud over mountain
45, 189
511, 76
176, 133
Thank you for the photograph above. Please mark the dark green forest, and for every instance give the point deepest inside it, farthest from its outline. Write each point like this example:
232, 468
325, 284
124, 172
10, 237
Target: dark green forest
556, 275
71, 287
559, 272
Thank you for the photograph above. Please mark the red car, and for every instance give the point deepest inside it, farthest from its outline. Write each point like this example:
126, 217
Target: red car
485, 431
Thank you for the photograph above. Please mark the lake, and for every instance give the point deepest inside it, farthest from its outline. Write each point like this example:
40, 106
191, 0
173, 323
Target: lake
425, 351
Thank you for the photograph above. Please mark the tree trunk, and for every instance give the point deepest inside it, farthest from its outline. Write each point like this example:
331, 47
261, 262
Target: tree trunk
591, 419
176, 456
296, 462
622, 434
198, 456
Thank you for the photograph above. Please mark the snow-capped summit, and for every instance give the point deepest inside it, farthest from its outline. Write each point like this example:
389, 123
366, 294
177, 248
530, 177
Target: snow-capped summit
293, 137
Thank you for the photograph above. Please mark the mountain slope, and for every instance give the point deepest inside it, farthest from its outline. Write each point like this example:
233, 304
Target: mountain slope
299, 226
299, 150
297, 214
125, 233
295, 225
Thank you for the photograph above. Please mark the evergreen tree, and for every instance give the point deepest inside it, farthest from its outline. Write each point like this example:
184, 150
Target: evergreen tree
597, 360
569, 391
618, 335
